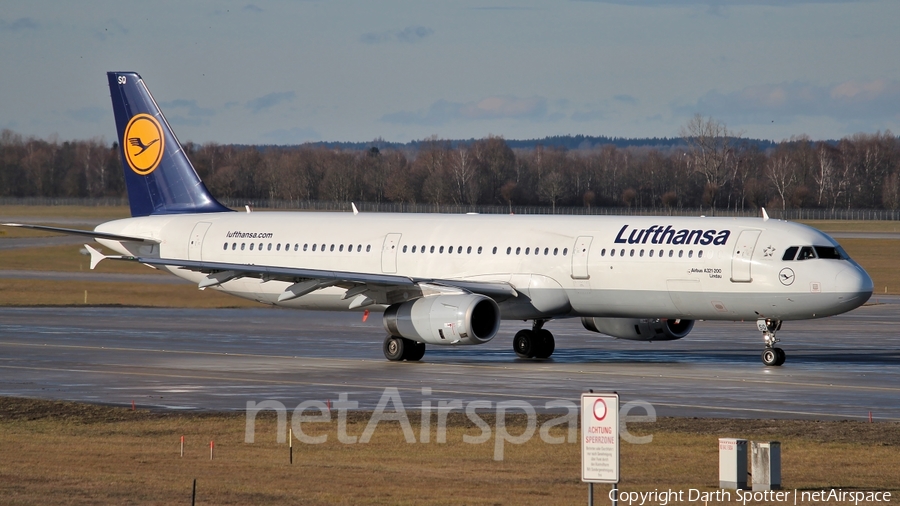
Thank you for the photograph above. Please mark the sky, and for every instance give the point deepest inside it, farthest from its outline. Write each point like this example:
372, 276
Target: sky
287, 72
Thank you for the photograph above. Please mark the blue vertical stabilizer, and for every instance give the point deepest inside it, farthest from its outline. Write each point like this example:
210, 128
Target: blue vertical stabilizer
159, 177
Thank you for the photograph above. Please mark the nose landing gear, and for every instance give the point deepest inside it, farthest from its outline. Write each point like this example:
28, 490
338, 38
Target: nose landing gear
771, 356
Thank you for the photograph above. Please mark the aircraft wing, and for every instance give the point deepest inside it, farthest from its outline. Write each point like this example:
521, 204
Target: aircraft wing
306, 281
87, 233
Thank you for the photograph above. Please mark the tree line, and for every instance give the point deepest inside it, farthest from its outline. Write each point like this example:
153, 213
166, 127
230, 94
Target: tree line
712, 167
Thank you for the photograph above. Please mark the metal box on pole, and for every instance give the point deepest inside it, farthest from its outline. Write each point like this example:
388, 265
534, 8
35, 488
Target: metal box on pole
732, 463
765, 465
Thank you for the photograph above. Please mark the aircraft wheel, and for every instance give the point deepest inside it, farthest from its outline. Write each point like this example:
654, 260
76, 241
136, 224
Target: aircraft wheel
770, 357
414, 351
781, 356
394, 348
524, 344
546, 344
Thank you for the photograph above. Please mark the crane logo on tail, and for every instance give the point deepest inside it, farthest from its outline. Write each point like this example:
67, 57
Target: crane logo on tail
143, 143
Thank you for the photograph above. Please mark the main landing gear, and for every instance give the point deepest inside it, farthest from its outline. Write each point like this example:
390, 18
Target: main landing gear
401, 348
771, 356
534, 343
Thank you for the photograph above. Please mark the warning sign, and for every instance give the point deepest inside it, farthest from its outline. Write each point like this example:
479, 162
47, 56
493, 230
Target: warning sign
600, 438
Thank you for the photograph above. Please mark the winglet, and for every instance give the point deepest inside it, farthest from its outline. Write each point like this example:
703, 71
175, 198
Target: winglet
96, 256
765, 214
355, 210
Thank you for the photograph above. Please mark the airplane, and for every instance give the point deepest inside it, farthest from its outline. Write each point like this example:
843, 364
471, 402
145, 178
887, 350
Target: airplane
444, 279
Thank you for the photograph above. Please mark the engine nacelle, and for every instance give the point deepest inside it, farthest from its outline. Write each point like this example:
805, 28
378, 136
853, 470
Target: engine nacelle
445, 319
640, 329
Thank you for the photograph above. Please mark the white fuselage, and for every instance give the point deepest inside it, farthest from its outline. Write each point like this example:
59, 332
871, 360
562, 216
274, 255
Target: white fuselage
561, 266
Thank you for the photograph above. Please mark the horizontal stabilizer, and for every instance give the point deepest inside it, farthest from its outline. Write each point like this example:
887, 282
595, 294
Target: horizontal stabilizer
85, 233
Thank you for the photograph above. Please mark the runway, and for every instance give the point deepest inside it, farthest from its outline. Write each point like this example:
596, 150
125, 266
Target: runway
219, 359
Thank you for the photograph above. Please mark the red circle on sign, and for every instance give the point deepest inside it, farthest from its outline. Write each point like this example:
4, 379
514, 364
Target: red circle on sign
599, 409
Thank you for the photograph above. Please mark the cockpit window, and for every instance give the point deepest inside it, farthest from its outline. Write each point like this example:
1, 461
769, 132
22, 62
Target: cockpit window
829, 252
790, 253
806, 253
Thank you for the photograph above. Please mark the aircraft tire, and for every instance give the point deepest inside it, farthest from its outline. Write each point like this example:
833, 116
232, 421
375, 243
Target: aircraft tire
394, 348
545, 344
781, 356
414, 351
525, 344
770, 357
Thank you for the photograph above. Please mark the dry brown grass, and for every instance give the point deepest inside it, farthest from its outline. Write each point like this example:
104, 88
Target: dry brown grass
28, 292
50, 212
65, 453
66, 259
854, 226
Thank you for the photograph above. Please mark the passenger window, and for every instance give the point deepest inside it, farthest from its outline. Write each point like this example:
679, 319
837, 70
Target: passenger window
555, 251
432, 249
566, 251
527, 250
459, 250
242, 246
612, 252
790, 253
314, 247
422, 249
233, 246
349, 248
404, 248
806, 253
671, 252
546, 251
828, 252
494, 251
700, 254
278, 247
331, 248
508, 250
651, 253
603, 252
441, 250
518, 250
226, 247
368, 248
251, 246
270, 247
479, 250
661, 253
641, 253
323, 247
621, 252
305, 246
359, 248
469, 250
680, 253
691, 254
413, 249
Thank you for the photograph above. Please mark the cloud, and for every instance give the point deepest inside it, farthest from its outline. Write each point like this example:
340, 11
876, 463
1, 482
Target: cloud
490, 108
183, 112
93, 114
18, 25
626, 99
290, 136
268, 101
410, 34
252, 8
875, 100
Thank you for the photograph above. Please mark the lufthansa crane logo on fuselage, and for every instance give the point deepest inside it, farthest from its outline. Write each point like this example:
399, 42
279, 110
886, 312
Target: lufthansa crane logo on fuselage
143, 143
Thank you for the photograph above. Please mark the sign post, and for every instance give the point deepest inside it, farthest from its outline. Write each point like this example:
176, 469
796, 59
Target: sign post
600, 441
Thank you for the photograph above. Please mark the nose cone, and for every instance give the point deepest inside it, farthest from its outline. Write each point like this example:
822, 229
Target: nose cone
853, 286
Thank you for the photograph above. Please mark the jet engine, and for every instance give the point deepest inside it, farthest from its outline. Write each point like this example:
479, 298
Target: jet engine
640, 329
445, 319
